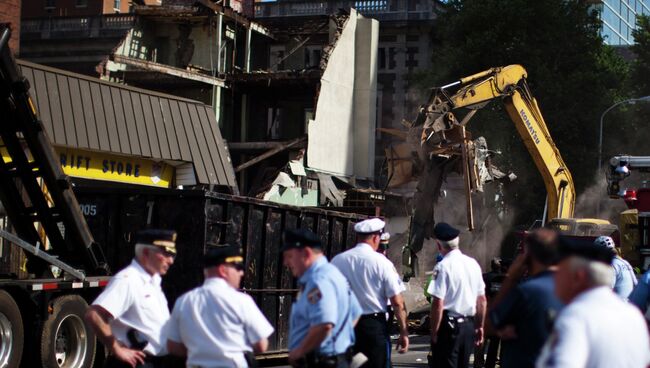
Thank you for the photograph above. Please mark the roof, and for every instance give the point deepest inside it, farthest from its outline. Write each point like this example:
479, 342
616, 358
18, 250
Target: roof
89, 113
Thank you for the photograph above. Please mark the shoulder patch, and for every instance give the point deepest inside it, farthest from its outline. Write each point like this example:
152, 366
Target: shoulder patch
314, 295
435, 274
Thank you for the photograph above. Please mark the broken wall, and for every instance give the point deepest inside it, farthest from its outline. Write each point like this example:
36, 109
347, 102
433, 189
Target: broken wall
341, 137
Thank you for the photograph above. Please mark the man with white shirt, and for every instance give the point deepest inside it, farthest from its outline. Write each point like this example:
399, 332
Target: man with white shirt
374, 281
458, 302
128, 316
216, 325
596, 329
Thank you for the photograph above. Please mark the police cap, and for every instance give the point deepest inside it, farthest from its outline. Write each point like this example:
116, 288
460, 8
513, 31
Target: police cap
165, 239
300, 238
445, 232
369, 226
584, 248
222, 254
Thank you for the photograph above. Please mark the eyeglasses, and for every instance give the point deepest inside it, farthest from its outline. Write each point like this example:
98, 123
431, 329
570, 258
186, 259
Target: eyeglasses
237, 266
165, 253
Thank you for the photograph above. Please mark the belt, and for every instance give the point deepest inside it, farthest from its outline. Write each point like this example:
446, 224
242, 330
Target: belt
380, 316
457, 317
321, 360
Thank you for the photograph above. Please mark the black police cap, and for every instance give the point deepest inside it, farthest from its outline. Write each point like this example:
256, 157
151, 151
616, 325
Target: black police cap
300, 238
445, 232
165, 239
222, 254
584, 248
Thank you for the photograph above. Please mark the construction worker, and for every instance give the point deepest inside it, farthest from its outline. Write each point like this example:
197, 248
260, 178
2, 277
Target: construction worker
624, 277
373, 280
321, 328
129, 315
596, 328
522, 312
458, 302
216, 325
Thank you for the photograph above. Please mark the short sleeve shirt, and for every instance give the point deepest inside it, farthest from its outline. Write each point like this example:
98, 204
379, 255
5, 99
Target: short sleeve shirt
372, 277
624, 277
217, 324
531, 308
457, 280
640, 296
136, 301
324, 298
597, 330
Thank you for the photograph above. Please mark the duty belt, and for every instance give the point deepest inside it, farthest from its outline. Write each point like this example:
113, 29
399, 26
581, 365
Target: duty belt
457, 317
380, 316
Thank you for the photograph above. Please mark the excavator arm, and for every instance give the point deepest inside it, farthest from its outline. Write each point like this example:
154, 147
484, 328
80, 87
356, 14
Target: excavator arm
508, 83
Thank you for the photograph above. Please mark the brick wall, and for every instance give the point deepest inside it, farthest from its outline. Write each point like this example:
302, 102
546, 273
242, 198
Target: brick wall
10, 13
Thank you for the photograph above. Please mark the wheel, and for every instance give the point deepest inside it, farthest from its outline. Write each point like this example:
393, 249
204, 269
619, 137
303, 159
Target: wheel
12, 334
66, 340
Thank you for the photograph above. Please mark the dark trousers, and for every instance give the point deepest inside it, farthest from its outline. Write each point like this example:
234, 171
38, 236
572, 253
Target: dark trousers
455, 343
335, 361
371, 339
149, 362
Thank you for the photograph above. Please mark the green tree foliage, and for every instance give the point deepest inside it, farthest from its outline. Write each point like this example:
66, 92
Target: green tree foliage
641, 66
571, 73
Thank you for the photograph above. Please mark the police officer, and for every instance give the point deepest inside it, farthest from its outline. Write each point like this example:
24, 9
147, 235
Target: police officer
374, 281
641, 295
216, 325
128, 316
321, 328
596, 328
624, 277
458, 302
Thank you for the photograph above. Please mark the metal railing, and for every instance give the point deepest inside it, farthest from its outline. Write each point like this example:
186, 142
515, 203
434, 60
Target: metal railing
386, 10
69, 27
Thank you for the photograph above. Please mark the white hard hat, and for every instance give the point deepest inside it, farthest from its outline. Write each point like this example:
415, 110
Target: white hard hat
369, 226
605, 241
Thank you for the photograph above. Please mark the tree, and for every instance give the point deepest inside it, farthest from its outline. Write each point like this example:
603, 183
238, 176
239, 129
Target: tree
641, 48
573, 75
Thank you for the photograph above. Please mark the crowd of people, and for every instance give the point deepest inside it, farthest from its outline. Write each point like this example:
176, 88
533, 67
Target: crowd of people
562, 303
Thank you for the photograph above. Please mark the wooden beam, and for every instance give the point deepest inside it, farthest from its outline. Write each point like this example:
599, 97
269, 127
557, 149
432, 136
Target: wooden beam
270, 153
170, 70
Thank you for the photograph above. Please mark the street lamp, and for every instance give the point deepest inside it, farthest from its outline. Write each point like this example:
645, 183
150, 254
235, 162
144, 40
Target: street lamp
630, 101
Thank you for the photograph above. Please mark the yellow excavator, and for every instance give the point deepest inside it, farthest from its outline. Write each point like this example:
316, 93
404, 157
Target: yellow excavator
444, 136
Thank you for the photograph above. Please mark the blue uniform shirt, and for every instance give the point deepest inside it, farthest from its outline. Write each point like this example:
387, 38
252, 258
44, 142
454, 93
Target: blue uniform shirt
624, 278
641, 294
325, 297
530, 308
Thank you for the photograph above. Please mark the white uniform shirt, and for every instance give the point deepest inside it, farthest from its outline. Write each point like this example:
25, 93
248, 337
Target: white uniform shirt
135, 300
372, 277
457, 280
217, 324
597, 330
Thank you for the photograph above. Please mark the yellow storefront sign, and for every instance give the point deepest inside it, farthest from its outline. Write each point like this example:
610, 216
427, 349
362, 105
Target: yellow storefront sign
100, 166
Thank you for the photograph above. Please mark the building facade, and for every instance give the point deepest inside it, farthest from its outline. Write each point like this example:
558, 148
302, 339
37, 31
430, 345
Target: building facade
619, 19
78, 8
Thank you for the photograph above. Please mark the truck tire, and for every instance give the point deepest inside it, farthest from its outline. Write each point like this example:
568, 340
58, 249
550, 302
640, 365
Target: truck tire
66, 340
12, 336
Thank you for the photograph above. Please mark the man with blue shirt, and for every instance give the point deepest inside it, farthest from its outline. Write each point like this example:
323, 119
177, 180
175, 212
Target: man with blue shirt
522, 313
323, 315
641, 295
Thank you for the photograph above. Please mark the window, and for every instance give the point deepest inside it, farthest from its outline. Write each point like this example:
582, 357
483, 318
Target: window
117, 5
381, 55
50, 4
81, 3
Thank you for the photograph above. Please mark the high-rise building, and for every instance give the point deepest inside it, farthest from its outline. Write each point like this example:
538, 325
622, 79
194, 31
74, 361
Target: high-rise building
619, 19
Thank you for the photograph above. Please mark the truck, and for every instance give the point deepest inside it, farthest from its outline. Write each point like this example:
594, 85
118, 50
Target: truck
634, 222
62, 239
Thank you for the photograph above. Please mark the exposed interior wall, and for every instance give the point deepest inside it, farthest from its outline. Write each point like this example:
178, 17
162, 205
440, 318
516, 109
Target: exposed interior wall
341, 137
330, 145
